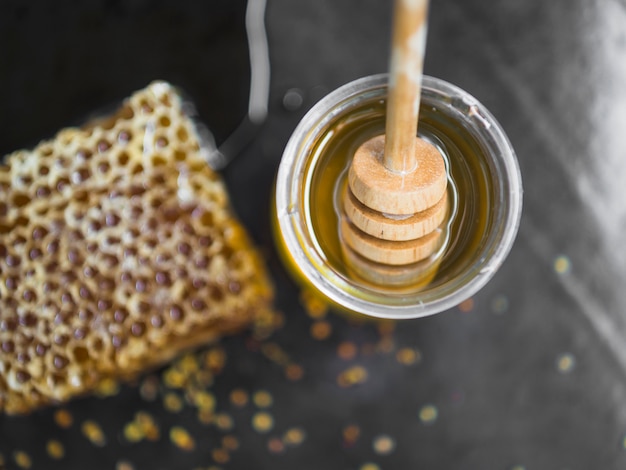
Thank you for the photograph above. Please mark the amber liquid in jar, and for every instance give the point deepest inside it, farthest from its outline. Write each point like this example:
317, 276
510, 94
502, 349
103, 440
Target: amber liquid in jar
470, 190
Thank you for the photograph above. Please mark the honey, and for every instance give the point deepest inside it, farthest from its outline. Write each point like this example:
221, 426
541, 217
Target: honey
470, 190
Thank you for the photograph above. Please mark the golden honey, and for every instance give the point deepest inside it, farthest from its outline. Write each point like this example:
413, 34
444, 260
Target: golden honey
471, 191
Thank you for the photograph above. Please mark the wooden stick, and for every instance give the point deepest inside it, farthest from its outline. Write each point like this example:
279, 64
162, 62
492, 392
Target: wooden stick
405, 82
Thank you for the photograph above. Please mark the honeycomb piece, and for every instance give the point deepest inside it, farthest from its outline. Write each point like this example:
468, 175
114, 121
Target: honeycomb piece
118, 250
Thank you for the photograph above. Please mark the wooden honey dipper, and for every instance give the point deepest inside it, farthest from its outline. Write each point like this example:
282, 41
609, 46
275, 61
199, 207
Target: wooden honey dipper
396, 195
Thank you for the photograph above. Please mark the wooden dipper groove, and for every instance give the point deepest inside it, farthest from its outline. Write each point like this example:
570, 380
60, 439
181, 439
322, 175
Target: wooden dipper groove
417, 274
390, 252
400, 228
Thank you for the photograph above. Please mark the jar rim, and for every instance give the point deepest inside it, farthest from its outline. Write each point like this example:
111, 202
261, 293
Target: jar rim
357, 298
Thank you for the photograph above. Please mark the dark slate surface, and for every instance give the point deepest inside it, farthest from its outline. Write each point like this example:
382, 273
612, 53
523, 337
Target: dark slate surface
528, 375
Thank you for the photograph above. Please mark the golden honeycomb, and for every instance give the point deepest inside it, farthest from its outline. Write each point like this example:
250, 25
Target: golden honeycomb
118, 249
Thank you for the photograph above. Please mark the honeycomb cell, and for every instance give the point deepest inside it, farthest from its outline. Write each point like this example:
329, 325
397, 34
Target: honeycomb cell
20, 199
60, 361
123, 158
103, 168
156, 321
164, 121
80, 333
176, 313
42, 192
124, 136
138, 328
103, 145
80, 175
182, 134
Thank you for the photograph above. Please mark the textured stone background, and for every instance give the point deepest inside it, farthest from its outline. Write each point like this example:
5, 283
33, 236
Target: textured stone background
527, 375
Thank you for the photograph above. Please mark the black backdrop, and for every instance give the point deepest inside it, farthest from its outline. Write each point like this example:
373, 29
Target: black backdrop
527, 375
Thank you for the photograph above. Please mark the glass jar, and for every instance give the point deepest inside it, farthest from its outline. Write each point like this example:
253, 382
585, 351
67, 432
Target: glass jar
485, 191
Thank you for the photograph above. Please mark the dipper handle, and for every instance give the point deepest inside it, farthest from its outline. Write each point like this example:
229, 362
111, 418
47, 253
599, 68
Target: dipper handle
408, 46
